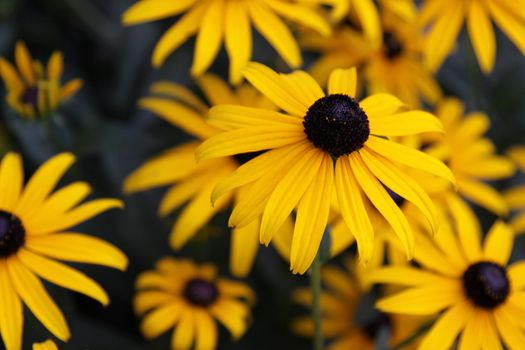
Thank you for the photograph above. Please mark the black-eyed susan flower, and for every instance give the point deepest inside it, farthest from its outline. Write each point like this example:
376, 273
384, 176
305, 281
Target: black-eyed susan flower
215, 21
471, 156
343, 318
446, 18
322, 144
47, 345
394, 67
478, 296
35, 90
515, 197
190, 298
193, 183
35, 232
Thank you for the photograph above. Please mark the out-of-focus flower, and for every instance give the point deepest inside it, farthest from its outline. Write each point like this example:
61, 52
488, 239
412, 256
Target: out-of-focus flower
343, 320
215, 21
480, 297
47, 345
35, 91
446, 18
394, 67
323, 144
193, 183
515, 197
364, 12
470, 156
32, 239
190, 298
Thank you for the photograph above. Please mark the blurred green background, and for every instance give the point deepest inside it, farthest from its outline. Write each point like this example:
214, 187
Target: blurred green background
111, 137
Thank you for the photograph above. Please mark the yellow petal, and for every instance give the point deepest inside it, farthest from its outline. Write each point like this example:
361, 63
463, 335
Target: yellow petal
302, 15
11, 312
482, 35
403, 124
510, 332
11, 180
379, 105
147, 300
55, 66
161, 319
229, 117
47, 345
69, 89
24, 61
303, 87
184, 333
467, 226
216, 90
244, 244
232, 315
33, 294
506, 20
343, 81
236, 289
179, 92
498, 243
238, 38
483, 195
62, 275
206, 331
152, 10
367, 13
10, 76
407, 276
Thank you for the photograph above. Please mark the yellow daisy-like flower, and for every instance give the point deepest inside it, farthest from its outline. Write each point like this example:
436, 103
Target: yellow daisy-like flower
231, 21
515, 197
32, 91
193, 183
190, 297
470, 156
34, 233
47, 345
481, 297
342, 318
446, 18
324, 143
394, 67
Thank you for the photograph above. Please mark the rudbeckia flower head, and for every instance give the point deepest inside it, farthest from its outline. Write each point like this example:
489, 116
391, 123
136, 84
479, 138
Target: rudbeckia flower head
191, 183
190, 298
446, 18
35, 91
231, 21
35, 232
322, 143
472, 290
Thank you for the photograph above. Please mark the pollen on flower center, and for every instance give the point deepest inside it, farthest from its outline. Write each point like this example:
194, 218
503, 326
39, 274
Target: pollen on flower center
200, 292
12, 234
486, 284
30, 96
391, 45
337, 125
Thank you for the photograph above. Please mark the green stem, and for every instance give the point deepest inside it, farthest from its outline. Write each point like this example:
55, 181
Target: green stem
315, 286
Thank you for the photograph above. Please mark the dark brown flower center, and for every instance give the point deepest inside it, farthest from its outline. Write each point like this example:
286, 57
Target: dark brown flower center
391, 45
486, 284
12, 234
200, 292
30, 97
337, 125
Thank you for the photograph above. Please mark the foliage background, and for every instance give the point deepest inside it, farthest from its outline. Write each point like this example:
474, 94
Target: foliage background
111, 137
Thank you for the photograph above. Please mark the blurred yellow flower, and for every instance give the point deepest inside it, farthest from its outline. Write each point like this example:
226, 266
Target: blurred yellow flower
470, 155
190, 298
32, 239
321, 145
215, 21
193, 183
446, 17
34, 91
476, 296
343, 320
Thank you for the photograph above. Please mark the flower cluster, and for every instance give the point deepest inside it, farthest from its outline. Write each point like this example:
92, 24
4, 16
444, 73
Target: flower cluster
345, 148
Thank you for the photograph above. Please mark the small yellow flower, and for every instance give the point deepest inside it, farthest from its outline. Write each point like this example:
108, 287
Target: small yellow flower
343, 320
394, 67
215, 21
323, 144
33, 222
47, 345
193, 183
515, 197
480, 298
32, 91
190, 298
470, 155
446, 18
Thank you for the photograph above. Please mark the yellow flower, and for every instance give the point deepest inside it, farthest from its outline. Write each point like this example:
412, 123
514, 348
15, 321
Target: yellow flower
446, 18
343, 319
480, 296
394, 67
231, 21
181, 294
47, 345
35, 231
191, 182
32, 91
515, 197
323, 144
470, 156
